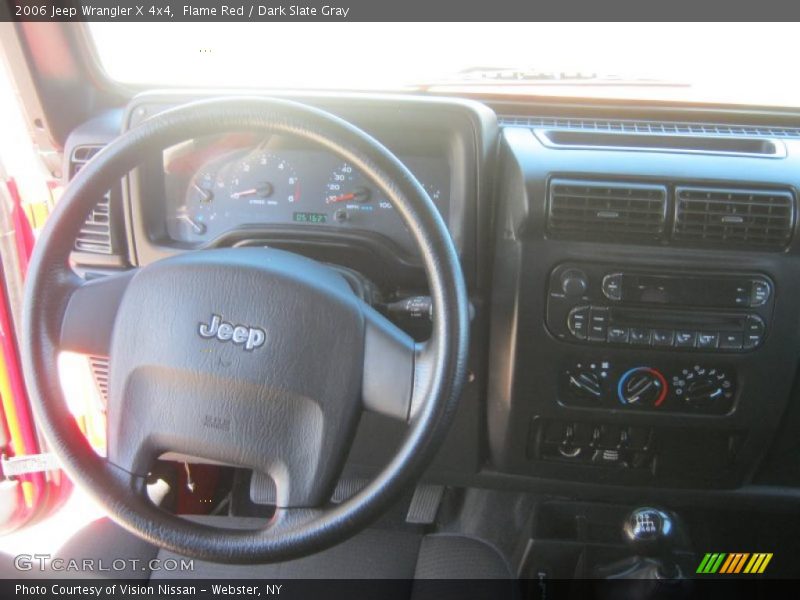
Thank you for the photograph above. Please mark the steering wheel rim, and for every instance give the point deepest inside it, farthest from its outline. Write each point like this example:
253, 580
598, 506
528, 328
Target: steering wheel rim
439, 369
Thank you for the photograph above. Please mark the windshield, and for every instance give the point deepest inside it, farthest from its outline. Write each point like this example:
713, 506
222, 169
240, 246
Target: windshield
712, 63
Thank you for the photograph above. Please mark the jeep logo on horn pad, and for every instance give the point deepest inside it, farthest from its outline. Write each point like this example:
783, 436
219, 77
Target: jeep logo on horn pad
249, 337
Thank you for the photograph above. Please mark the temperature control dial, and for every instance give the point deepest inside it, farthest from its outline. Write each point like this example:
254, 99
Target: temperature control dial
704, 388
642, 387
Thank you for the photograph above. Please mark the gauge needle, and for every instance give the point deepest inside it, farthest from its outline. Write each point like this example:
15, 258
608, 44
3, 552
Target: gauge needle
199, 228
262, 189
341, 198
207, 195
359, 195
243, 193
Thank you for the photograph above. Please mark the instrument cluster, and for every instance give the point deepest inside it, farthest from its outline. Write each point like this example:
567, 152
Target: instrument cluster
218, 185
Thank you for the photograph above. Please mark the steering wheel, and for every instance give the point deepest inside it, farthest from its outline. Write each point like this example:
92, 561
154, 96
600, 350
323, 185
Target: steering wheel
252, 357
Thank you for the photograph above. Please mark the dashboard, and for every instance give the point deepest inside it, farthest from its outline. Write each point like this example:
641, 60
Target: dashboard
217, 185
634, 283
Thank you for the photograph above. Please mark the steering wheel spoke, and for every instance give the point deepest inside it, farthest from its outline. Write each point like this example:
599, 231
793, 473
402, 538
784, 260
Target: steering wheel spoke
88, 320
389, 369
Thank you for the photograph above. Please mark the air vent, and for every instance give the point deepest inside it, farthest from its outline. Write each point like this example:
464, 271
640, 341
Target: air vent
95, 235
653, 127
734, 218
616, 211
714, 144
99, 368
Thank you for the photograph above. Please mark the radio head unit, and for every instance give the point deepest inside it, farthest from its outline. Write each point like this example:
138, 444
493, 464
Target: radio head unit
711, 312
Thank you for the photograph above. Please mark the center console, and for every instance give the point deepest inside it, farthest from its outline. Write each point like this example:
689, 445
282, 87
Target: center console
602, 307
621, 353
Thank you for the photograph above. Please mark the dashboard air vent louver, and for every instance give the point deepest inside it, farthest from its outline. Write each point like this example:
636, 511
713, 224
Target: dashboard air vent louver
95, 235
619, 211
734, 218
99, 366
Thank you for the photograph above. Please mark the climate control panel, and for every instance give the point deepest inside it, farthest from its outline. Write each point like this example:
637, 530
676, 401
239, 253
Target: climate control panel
690, 388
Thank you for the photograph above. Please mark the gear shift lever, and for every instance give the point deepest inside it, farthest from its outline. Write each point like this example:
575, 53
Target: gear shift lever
650, 533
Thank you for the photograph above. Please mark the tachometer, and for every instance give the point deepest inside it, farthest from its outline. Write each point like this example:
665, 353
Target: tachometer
244, 189
263, 179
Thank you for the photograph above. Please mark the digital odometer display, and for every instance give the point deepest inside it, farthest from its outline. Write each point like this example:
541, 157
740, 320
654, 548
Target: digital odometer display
309, 217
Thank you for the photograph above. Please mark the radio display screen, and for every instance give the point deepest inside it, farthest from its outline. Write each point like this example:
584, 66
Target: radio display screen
688, 291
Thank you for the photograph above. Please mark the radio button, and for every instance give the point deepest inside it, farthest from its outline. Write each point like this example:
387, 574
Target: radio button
598, 333
754, 333
685, 339
578, 322
640, 336
743, 296
598, 324
760, 293
663, 337
706, 340
612, 286
751, 341
730, 341
618, 335
755, 326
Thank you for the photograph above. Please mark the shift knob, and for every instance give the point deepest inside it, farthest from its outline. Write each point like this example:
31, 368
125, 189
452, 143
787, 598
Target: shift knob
650, 532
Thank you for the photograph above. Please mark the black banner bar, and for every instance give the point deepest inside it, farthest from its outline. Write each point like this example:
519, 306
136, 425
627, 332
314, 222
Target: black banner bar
730, 588
154, 11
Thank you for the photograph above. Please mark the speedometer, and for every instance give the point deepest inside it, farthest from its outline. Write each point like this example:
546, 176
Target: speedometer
346, 186
353, 198
356, 201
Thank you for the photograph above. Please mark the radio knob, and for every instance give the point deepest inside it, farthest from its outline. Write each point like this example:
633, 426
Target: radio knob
574, 282
642, 386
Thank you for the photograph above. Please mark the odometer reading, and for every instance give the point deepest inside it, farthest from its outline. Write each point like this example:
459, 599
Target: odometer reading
309, 217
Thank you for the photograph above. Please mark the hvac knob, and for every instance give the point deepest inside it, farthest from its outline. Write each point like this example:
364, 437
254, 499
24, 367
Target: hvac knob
642, 387
585, 385
574, 283
702, 393
704, 388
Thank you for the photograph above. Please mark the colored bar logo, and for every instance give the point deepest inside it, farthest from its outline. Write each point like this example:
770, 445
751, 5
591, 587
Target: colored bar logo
734, 563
